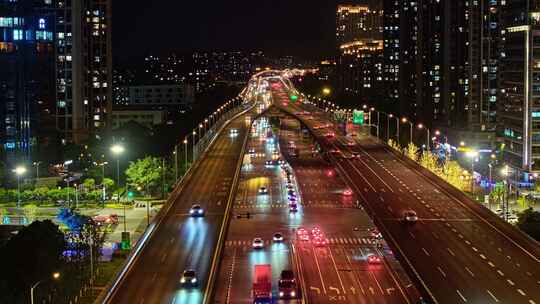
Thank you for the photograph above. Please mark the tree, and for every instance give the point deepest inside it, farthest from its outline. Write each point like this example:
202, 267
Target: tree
146, 172
394, 145
29, 256
529, 222
108, 183
412, 151
41, 193
497, 193
429, 161
30, 212
89, 184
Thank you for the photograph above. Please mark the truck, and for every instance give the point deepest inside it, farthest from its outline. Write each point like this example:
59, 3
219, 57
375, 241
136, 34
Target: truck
262, 284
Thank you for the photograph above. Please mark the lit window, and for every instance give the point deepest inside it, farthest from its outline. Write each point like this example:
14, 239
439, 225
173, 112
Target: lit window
17, 34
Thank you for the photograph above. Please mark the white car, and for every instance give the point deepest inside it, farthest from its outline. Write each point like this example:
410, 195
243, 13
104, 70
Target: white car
196, 210
278, 237
410, 216
257, 243
188, 278
263, 190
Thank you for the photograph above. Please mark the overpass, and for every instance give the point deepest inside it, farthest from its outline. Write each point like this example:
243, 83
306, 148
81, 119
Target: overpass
458, 251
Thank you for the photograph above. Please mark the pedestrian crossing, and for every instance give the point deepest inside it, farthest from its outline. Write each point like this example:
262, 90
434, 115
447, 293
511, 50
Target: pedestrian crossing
331, 241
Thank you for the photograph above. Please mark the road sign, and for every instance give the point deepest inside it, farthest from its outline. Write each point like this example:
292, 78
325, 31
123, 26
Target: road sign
358, 117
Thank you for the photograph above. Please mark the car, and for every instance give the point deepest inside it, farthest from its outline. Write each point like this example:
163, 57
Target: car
289, 186
355, 155
269, 163
375, 233
292, 199
374, 259
351, 144
319, 241
233, 132
410, 216
263, 190
330, 134
257, 243
188, 278
316, 231
293, 207
287, 285
196, 210
347, 192
278, 237
251, 151
304, 237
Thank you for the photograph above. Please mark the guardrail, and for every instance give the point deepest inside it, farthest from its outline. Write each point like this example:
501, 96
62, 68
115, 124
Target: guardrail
111, 288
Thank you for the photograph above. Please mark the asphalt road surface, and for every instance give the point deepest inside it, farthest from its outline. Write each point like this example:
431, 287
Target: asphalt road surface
458, 251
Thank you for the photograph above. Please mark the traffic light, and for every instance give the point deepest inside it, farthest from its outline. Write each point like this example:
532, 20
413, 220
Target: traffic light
294, 97
358, 117
130, 194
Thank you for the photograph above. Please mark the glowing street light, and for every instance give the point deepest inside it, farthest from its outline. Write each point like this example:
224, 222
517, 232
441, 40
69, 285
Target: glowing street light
55, 276
473, 155
326, 91
117, 150
19, 171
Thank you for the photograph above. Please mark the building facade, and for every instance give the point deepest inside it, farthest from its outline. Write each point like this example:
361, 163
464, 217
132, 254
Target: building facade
146, 117
83, 68
26, 80
518, 115
359, 35
180, 96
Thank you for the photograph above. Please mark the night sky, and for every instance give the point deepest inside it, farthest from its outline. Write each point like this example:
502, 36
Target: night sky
303, 28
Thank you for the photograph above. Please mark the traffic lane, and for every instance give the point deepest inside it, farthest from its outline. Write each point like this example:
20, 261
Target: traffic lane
375, 282
425, 242
507, 264
132, 287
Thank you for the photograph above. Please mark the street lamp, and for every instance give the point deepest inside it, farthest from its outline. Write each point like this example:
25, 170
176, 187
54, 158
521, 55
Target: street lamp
186, 154
55, 276
118, 149
506, 172
19, 171
405, 120
473, 155
421, 126
326, 91
36, 164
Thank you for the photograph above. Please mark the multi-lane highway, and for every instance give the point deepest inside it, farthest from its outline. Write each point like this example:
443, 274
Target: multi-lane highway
457, 251
179, 241
336, 272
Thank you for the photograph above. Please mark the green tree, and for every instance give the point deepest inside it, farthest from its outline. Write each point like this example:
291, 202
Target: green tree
146, 172
429, 161
529, 222
30, 212
89, 184
412, 151
94, 195
497, 194
108, 183
41, 193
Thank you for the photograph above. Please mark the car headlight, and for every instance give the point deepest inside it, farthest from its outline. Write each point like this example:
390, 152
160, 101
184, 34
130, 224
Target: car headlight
281, 294
182, 280
293, 294
194, 280
191, 211
201, 211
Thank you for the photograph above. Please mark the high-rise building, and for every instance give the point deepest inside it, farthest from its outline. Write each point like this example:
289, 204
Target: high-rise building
484, 60
518, 115
425, 59
26, 81
83, 67
359, 36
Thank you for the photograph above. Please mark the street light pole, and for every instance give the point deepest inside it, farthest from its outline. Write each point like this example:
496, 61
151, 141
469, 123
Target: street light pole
176, 162
55, 276
117, 150
185, 154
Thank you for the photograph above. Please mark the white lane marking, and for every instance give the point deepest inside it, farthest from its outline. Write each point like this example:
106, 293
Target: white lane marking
483, 257
469, 271
425, 251
451, 252
461, 296
494, 298
319, 269
163, 257
491, 264
154, 276
412, 235
500, 272
337, 271
521, 292
441, 271
510, 282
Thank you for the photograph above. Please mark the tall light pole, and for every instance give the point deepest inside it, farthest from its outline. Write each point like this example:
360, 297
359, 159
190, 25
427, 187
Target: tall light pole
55, 276
117, 150
186, 154
506, 173
19, 171
175, 162
421, 126
405, 120
36, 164
473, 155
